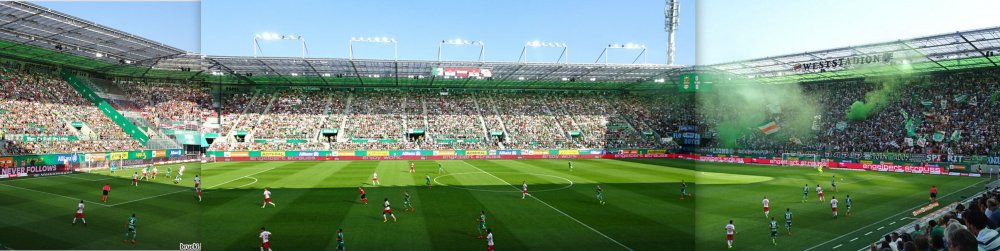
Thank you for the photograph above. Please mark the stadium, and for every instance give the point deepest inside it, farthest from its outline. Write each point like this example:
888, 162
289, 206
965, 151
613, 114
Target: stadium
105, 127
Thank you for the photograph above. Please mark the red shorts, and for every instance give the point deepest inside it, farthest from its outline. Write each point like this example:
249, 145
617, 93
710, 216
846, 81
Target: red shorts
835, 210
729, 237
766, 209
489, 248
387, 211
199, 192
266, 245
267, 200
524, 191
79, 215
820, 194
135, 180
196, 185
374, 178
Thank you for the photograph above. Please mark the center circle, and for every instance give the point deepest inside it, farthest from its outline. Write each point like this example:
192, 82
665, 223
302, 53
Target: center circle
514, 190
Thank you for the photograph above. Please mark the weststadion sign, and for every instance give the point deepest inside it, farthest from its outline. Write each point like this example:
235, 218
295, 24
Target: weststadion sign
843, 63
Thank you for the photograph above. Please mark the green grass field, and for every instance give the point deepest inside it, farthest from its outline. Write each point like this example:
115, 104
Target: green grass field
643, 210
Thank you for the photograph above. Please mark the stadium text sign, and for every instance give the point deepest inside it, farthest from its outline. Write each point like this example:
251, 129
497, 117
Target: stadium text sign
843, 63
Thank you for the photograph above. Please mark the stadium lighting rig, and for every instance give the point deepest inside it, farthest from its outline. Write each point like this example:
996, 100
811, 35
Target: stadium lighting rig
460, 42
627, 46
267, 36
376, 40
538, 44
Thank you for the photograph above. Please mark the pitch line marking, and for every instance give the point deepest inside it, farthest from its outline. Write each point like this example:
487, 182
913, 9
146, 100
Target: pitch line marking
837, 246
60, 195
251, 183
880, 228
852, 240
495, 191
866, 234
904, 211
892, 223
245, 176
557, 210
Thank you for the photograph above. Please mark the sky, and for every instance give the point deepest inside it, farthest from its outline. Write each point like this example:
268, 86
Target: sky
711, 31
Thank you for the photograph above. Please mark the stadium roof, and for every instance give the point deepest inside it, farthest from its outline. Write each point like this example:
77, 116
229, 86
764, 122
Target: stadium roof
415, 73
944, 52
24, 24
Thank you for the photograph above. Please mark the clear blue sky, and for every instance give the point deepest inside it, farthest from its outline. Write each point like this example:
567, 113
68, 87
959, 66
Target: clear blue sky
587, 26
172, 23
736, 30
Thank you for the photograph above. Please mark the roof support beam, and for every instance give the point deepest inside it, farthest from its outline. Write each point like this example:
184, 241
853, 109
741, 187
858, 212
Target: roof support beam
927, 57
977, 49
315, 71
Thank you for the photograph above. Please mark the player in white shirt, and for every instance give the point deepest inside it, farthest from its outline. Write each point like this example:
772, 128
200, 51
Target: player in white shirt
154, 172
135, 179
375, 178
833, 204
387, 210
489, 240
144, 174
265, 238
267, 199
180, 172
730, 231
819, 192
79, 214
197, 186
767, 208
524, 189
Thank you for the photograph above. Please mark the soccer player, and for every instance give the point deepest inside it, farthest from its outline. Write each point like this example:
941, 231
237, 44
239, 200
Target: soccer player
730, 231
805, 193
79, 214
788, 220
600, 194
104, 193
407, 206
363, 199
428, 178
833, 183
180, 172
168, 171
570, 165
820, 169
524, 189
849, 202
774, 232
833, 204
131, 229
340, 239
135, 179
440, 168
265, 238
482, 223
111, 166
375, 178
933, 194
154, 172
684, 187
197, 186
387, 210
267, 198
144, 173
411, 168
819, 192
767, 208
489, 240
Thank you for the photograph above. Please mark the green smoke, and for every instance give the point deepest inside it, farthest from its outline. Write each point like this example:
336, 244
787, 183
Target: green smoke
738, 109
874, 100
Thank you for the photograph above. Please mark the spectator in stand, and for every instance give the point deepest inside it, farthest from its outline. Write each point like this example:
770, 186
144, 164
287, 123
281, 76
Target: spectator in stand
963, 240
975, 222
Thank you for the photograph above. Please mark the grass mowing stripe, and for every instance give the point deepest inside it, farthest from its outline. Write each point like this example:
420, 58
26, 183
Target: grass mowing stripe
60, 195
890, 217
557, 210
142, 199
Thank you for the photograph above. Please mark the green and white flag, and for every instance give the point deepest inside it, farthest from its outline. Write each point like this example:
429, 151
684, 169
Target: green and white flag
956, 135
910, 128
927, 103
841, 125
961, 98
938, 136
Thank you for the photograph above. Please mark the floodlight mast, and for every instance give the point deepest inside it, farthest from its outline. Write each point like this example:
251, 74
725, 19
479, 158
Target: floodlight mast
563, 56
459, 42
671, 14
274, 36
378, 40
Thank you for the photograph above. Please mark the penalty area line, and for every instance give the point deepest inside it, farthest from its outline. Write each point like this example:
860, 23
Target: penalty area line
245, 176
557, 210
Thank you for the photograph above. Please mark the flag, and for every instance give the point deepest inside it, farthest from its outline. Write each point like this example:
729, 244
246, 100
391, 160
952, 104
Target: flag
938, 136
910, 129
922, 142
841, 125
927, 103
795, 140
769, 128
908, 141
974, 101
961, 98
905, 115
993, 98
956, 135
817, 120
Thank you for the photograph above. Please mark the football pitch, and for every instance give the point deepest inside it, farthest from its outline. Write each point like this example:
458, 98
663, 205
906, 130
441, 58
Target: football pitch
643, 210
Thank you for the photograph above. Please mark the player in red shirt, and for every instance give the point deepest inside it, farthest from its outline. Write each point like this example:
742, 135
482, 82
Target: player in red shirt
411, 167
363, 199
104, 192
933, 194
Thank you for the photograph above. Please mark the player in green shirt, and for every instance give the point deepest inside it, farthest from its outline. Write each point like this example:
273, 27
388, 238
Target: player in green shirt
570, 165
440, 168
849, 203
600, 194
805, 193
407, 206
340, 239
774, 232
168, 171
428, 181
131, 229
788, 220
833, 183
482, 223
684, 192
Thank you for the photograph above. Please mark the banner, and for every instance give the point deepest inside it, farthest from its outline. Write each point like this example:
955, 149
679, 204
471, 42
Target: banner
159, 153
377, 153
345, 153
6, 161
273, 154
444, 152
568, 152
769, 127
118, 155
476, 152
